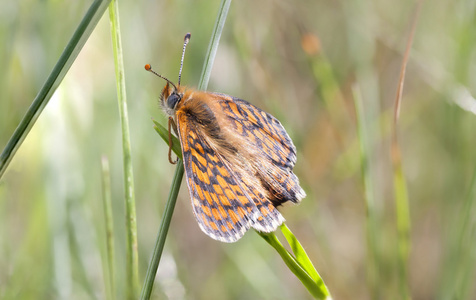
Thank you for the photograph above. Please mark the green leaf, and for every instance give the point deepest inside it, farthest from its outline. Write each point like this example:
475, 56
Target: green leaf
164, 134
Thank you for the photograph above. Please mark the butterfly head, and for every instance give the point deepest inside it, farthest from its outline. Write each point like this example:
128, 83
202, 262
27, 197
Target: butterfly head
171, 94
170, 98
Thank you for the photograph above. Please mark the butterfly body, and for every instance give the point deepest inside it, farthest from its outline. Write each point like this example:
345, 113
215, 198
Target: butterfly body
238, 162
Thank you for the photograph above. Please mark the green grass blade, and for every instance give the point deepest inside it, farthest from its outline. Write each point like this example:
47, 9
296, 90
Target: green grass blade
213, 46
74, 46
132, 256
300, 253
317, 289
302, 258
160, 242
109, 271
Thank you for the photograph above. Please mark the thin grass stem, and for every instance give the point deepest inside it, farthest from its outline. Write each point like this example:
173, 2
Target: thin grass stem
213, 46
132, 256
109, 270
162, 234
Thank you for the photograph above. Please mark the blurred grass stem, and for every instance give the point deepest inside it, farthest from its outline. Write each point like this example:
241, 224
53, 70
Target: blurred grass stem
109, 270
373, 272
462, 280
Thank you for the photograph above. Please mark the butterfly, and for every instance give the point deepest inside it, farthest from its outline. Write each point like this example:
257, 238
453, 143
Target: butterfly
238, 160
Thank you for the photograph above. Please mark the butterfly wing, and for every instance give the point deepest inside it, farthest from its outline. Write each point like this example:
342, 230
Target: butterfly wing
226, 198
271, 145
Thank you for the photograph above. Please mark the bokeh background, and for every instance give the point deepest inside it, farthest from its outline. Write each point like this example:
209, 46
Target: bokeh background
301, 61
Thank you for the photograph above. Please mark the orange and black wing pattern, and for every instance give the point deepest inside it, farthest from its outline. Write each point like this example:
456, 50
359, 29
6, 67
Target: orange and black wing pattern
271, 144
238, 162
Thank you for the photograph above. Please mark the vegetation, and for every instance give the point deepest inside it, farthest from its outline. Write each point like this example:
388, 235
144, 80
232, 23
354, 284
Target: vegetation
329, 71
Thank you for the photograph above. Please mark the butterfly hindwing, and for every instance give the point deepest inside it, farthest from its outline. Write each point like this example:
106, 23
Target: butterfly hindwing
272, 143
226, 200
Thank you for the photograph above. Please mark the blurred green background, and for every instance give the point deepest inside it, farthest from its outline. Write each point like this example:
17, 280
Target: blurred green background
298, 60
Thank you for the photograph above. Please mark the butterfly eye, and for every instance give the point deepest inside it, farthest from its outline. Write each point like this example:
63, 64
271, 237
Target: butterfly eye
173, 99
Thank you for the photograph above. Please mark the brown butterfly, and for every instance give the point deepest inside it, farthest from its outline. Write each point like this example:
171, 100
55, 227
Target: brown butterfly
238, 160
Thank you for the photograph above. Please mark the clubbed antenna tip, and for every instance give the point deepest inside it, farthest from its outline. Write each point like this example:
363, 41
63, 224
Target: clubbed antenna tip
186, 39
148, 67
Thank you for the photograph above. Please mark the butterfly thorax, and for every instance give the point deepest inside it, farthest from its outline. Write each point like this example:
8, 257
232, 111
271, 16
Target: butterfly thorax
200, 108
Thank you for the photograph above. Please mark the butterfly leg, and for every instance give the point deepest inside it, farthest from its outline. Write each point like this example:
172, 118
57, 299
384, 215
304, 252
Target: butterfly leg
171, 124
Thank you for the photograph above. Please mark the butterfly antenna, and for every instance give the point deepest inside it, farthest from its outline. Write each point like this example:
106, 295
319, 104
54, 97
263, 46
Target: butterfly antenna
185, 42
149, 68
